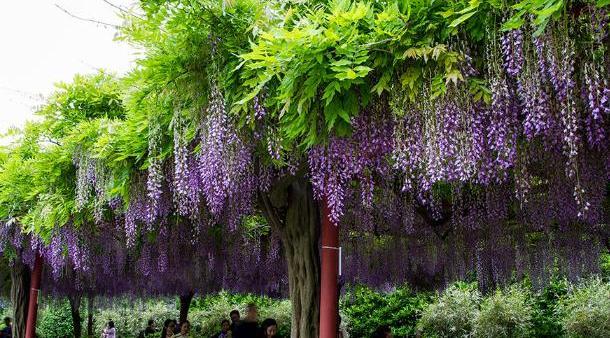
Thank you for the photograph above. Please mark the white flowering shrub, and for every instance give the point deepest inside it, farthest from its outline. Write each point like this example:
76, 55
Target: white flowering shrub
505, 313
453, 314
585, 311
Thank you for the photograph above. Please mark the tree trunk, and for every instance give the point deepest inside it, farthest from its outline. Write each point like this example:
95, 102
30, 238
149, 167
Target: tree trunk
90, 316
185, 303
293, 213
75, 311
20, 286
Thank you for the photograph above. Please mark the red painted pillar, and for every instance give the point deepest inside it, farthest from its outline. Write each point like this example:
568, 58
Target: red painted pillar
30, 326
329, 291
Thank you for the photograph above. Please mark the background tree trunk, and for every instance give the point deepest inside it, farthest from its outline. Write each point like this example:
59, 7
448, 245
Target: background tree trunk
75, 311
20, 288
292, 212
185, 303
90, 316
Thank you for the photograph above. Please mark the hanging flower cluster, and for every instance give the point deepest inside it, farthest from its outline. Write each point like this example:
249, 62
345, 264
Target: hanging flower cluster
154, 182
224, 161
334, 165
533, 89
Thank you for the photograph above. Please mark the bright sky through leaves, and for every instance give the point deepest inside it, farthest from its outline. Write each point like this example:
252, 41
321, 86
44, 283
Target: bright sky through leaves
41, 45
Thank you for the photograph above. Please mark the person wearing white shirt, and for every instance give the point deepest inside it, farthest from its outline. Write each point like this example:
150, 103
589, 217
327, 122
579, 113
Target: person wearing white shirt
109, 331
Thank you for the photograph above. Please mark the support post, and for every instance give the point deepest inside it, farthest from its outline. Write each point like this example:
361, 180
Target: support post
329, 292
30, 326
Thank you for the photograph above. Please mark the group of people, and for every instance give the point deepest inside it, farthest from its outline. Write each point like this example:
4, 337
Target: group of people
237, 327
248, 327
169, 330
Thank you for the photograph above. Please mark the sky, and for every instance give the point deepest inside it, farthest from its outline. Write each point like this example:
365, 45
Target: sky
41, 44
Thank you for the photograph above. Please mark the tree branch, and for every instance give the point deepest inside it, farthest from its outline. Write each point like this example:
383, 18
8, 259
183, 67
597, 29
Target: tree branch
50, 140
121, 9
86, 19
269, 211
436, 225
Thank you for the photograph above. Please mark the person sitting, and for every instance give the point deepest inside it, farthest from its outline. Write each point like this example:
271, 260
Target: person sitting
168, 328
225, 330
149, 330
268, 328
248, 328
234, 315
383, 331
7, 331
185, 329
109, 331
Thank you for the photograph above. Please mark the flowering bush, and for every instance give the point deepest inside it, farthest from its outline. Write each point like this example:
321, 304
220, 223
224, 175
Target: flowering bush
506, 313
453, 314
585, 312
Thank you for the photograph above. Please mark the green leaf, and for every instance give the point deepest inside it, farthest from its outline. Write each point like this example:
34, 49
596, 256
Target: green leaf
453, 76
474, 4
602, 3
461, 19
514, 22
329, 92
410, 77
382, 84
548, 11
344, 115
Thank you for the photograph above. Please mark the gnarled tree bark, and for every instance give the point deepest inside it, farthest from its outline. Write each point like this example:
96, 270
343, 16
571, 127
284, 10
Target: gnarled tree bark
90, 298
292, 212
20, 287
185, 303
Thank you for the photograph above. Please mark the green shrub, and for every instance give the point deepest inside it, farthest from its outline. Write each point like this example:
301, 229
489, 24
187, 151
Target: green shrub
545, 320
453, 313
506, 313
364, 309
55, 319
585, 311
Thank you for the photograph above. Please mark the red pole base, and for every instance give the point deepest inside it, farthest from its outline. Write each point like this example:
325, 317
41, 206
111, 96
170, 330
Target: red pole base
329, 290
30, 326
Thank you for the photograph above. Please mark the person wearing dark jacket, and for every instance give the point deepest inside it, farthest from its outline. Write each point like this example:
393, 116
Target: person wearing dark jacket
149, 331
234, 315
268, 329
248, 327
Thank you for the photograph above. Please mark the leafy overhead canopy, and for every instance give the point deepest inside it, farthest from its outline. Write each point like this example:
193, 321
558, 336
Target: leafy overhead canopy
455, 99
